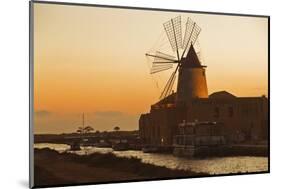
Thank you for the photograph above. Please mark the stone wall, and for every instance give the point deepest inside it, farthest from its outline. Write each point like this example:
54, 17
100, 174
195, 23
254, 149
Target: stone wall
243, 118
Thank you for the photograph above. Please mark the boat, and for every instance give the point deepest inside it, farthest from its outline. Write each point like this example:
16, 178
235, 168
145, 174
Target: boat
201, 139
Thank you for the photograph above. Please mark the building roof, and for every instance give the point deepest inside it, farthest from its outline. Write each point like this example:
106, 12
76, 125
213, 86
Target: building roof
191, 60
222, 95
216, 97
167, 100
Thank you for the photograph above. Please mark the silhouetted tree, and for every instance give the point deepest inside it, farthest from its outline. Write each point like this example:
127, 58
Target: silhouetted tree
88, 129
116, 128
80, 130
84, 130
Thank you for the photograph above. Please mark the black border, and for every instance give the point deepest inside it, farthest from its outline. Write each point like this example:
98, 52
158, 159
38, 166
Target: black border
31, 50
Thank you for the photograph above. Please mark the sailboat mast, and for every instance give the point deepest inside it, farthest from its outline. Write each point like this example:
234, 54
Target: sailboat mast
83, 120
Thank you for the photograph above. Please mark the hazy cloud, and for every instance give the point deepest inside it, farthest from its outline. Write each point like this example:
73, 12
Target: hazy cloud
51, 122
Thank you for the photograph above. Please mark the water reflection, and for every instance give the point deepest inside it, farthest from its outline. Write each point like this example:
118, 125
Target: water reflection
221, 165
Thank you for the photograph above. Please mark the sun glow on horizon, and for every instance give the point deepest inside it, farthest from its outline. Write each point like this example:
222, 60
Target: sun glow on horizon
90, 59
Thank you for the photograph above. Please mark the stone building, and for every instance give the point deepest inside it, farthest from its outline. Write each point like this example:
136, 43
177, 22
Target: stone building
244, 118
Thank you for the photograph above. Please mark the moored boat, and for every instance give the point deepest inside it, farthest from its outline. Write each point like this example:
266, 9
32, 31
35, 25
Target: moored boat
199, 139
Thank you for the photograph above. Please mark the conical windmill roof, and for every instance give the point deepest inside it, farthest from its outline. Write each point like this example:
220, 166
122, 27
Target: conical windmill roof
191, 60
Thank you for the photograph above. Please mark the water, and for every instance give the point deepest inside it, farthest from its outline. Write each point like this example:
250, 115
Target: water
220, 165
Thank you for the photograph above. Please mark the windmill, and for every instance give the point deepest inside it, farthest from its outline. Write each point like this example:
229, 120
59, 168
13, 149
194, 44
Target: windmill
179, 45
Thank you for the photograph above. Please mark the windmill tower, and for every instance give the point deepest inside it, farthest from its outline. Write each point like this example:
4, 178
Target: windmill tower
192, 78
191, 74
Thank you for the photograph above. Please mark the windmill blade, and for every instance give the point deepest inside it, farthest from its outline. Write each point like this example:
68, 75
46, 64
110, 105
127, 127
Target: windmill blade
166, 87
193, 37
160, 67
169, 85
163, 62
169, 90
199, 51
192, 30
159, 56
189, 26
174, 32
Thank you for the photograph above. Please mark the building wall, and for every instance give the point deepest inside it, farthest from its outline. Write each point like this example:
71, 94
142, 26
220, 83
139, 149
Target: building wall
243, 118
159, 126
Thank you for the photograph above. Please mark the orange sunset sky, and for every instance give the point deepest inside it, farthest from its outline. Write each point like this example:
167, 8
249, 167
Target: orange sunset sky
92, 60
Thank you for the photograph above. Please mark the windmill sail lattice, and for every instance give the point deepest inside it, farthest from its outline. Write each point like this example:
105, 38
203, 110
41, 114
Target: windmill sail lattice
192, 30
173, 31
179, 45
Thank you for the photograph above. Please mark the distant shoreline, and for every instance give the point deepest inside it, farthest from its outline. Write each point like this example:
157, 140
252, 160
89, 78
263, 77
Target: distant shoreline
257, 150
53, 168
